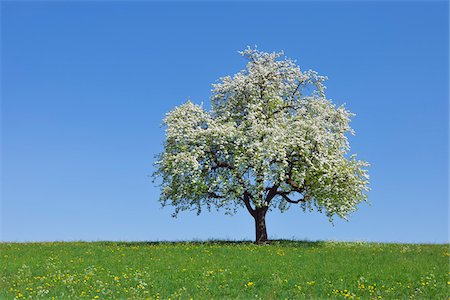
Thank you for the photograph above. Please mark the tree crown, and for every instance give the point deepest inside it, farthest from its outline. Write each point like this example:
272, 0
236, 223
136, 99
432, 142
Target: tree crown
271, 135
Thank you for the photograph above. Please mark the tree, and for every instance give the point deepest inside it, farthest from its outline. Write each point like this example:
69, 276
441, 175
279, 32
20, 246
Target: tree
271, 139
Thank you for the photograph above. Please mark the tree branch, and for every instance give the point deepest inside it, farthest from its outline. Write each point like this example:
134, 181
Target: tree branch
272, 192
285, 197
296, 89
222, 165
295, 186
215, 196
247, 204
228, 166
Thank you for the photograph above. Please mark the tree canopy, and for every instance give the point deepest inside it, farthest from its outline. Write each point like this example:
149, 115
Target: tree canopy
270, 140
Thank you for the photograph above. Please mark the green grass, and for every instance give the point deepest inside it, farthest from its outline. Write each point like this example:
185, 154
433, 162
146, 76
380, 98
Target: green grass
283, 269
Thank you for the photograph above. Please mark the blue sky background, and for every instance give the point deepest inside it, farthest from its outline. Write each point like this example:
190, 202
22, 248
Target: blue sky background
85, 87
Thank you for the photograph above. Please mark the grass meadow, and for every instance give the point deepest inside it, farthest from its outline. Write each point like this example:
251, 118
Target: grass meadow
230, 270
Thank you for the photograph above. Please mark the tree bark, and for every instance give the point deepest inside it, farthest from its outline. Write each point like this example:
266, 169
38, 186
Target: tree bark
260, 225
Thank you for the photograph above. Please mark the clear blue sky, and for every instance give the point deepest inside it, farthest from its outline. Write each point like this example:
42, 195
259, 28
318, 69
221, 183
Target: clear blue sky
85, 86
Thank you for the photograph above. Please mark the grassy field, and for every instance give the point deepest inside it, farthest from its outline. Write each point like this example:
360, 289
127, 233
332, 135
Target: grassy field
283, 269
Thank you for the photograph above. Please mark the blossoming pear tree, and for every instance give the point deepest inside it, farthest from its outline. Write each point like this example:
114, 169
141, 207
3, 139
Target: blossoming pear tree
271, 140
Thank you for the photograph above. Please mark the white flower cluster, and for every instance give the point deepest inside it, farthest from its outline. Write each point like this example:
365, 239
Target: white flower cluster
271, 139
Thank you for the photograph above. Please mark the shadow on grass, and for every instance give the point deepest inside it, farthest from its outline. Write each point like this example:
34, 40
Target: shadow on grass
290, 243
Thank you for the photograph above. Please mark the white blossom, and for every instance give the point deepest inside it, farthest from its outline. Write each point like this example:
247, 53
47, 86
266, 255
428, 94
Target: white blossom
271, 135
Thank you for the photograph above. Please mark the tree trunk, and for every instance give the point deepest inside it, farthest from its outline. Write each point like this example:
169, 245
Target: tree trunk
260, 225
